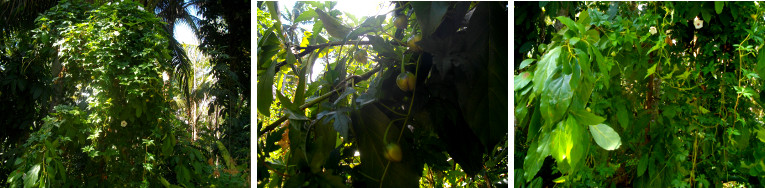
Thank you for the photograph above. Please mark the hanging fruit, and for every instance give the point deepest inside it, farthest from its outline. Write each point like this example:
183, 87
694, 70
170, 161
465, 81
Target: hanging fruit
393, 152
406, 81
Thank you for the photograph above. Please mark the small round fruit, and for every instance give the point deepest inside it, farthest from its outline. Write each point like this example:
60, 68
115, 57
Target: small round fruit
412, 43
361, 56
406, 81
400, 22
393, 152
613, 53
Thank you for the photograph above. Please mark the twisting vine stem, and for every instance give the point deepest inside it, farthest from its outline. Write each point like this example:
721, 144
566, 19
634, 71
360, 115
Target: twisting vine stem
406, 119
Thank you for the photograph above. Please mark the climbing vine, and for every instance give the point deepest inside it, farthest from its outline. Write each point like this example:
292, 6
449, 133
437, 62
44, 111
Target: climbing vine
657, 94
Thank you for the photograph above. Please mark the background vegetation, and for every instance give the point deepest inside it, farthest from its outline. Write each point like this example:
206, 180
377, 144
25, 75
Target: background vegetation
99, 93
644, 94
359, 123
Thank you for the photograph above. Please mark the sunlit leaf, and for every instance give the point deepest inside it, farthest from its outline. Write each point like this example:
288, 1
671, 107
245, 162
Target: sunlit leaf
605, 136
334, 27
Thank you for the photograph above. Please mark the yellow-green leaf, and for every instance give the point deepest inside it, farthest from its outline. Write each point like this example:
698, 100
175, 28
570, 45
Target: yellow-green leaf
605, 136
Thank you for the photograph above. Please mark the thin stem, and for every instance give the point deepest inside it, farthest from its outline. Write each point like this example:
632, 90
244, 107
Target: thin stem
363, 77
409, 112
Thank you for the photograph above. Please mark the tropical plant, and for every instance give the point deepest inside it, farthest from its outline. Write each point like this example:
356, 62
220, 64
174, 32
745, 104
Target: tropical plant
352, 125
101, 114
645, 94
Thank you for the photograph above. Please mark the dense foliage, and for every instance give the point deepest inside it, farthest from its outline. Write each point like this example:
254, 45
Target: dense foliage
102, 109
358, 123
645, 94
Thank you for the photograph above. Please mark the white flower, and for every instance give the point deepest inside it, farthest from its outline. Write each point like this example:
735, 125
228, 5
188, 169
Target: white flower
165, 76
124, 123
698, 23
652, 30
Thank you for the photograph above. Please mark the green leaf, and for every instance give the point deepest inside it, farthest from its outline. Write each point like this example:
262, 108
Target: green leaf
429, 15
538, 151
273, 9
341, 124
30, 178
651, 70
642, 165
307, 15
579, 142
556, 97
571, 24
623, 116
138, 112
545, 69
561, 142
761, 134
761, 62
382, 47
333, 25
265, 93
707, 16
525, 63
719, 6
369, 25
587, 118
522, 80
605, 136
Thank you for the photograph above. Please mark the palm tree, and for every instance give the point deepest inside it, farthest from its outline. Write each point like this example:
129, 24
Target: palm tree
199, 101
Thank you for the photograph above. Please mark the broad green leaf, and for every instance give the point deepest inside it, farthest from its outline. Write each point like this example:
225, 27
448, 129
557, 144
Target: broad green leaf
521, 80
719, 6
642, 165
322, 145
334, 27
605, 136
570, 23
587, 118
651, 70
369, 25
535, 124
761, 134
561, 142
556, 97
623, 116
544, 69
30, 178
761, 62
273, 9
307, 15
584, 18
593, 36
525, 63
138, 112
429, 15
535, 157
382, 47
579, 142
265, 93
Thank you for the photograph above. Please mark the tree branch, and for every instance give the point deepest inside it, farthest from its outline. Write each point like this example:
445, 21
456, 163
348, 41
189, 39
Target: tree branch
362, 77
311, 48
